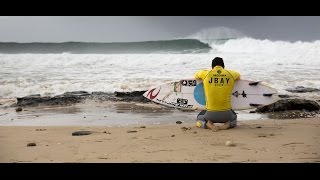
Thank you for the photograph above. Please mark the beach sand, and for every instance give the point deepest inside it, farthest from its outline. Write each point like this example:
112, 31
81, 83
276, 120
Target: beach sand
294, 140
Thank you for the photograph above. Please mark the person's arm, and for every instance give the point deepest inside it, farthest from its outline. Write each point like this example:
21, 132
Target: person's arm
238, 76
196, 76
200, 74
235, 74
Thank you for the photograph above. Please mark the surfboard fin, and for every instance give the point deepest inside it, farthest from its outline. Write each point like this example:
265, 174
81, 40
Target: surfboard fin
255, 105
266, 94
254, 83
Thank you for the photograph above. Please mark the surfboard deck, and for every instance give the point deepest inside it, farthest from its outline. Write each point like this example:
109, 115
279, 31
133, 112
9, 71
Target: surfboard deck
188, 94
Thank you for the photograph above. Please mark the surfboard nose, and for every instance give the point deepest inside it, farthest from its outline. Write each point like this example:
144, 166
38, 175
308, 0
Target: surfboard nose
146, 93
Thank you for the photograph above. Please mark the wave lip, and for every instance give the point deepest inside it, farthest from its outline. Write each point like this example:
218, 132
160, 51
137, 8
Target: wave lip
216, 35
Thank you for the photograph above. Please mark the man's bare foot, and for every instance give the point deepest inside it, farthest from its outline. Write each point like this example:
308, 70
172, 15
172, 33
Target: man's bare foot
215, 128
211, 126
225, 126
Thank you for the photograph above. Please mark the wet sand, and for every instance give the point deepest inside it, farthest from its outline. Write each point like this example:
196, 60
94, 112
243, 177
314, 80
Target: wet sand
104, 113
292, 140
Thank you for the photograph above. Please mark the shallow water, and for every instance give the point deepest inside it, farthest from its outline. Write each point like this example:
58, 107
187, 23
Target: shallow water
105, 113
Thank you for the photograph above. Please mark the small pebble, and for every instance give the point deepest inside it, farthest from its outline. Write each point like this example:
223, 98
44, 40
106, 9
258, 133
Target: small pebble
230, 143
81, 133
132, 131
185, 128
178, 122
18, 109
31, 144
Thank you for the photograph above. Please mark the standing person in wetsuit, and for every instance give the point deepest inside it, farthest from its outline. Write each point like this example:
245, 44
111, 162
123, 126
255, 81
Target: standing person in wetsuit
218, 84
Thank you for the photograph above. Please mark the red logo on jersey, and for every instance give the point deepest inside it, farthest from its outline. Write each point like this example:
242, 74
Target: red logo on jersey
153, 96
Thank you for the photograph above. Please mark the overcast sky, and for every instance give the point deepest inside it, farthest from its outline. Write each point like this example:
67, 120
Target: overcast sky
143, 28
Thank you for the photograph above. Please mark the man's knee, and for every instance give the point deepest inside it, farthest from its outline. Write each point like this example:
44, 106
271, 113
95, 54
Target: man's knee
201, 114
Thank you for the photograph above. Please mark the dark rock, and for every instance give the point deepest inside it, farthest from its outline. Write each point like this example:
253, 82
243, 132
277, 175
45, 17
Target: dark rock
81, 133
56, 100
136, 96
258, 127
301, 89
285, 96
131, 96
18, 109
173, 135
290, 104
34, 95
178, 122
100, 93
186, 128
76, 93
292, 114
252, 112
69, 98
31, 144
142, 126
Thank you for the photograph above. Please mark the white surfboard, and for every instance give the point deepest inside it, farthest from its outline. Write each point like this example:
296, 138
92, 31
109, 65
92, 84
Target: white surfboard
188, 94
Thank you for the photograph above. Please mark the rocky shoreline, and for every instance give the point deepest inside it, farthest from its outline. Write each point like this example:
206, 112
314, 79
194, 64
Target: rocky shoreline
286, 107
73, 97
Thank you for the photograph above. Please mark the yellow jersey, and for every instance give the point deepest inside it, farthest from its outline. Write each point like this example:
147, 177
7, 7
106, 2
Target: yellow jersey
218, 84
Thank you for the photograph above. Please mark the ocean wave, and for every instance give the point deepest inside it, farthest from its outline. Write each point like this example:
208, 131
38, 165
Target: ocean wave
256, 46
216, 35
163, 46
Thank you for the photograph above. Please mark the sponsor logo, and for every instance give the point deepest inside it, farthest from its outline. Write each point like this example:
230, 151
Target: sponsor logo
188, 82
236, 94
178, 105
151, 92
182, 101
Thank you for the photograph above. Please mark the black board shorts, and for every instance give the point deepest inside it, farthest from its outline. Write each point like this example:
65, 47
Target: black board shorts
218, 117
